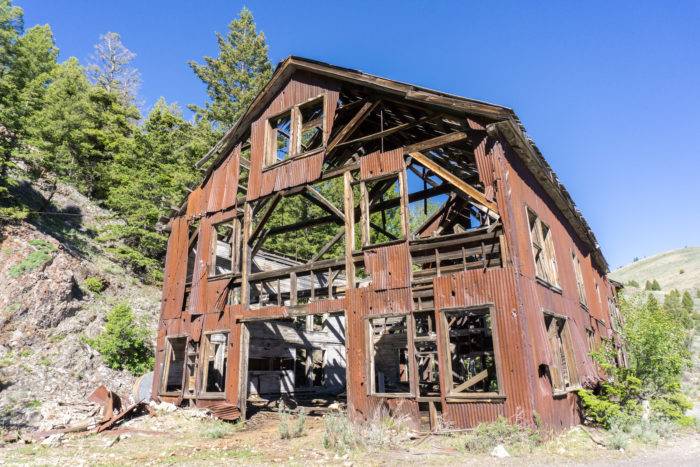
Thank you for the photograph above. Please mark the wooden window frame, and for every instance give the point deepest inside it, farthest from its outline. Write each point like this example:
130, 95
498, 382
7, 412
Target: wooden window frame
236, 250
166, 367
204, 365
565, 339
447, 372
365, 212
580, 284
547, 251
295, 129
370, 352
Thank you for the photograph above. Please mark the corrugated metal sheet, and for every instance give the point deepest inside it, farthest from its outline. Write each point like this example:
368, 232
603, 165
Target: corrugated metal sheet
380, 163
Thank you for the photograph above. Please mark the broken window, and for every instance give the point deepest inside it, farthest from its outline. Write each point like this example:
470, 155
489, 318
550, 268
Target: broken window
563, 368
192, 250
279, 138
214, 359
590, 339
472, 356
382, 211
579, 279
174, 365
389, 355
426, 353
311, 126
191, 368
296, 131
222, 249
543, 250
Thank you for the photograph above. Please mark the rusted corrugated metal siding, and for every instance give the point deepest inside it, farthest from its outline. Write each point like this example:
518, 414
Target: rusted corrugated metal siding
299, 89
381, 163
389, 266
535, 297
176, 263
484, 287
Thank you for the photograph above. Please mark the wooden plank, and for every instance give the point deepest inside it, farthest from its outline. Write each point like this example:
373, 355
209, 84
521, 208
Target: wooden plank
390, 131
266, 216
348, 204
353, 124
321, 201
338, 235
472, 381
436, 142
454, 180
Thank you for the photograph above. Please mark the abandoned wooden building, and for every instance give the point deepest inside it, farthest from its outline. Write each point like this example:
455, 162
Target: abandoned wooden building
365, 240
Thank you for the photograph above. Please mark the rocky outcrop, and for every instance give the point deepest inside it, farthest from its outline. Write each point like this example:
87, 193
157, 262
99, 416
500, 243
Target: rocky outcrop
46, 368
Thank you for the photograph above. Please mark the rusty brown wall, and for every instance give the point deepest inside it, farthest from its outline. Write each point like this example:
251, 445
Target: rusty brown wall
524, 190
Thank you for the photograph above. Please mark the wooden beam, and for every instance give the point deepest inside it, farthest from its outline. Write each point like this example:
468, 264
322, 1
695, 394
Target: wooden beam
471, 381
454, 180
338, 235
353, 124
266, 216
436, 142
390, 131
321, 201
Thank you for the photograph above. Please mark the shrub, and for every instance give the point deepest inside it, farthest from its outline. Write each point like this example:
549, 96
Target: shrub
123, 343
633, 283
41, 255
94, 284
487, 436
339, 433
290, 429
657, 354
219, 429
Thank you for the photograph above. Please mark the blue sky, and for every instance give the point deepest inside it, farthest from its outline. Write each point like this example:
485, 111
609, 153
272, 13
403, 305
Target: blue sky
610, 91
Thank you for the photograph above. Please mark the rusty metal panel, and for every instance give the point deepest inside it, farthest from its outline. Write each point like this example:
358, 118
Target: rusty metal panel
231, 174
380, 163
198, 293
176, 263
389, 266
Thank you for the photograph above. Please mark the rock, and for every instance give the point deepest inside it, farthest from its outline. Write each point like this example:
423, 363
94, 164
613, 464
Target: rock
500, 452
53, 440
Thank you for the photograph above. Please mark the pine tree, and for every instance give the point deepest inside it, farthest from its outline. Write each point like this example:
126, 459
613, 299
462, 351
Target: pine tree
80, 129
236, 76
687, 302
111, 68
24, 61
147, 181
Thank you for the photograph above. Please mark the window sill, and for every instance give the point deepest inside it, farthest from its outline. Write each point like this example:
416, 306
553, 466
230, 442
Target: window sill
170, 394
289, 160
563, 392
552, 287
392, 395
211, 396
474, 398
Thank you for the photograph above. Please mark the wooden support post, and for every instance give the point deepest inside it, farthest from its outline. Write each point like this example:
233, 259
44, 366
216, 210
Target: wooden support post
293, 289
247, 258
349, 229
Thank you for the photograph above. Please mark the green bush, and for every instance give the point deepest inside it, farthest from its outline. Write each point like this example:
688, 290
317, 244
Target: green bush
41, 255
94, 284
123, 343
339, 434
657, 355
633, 283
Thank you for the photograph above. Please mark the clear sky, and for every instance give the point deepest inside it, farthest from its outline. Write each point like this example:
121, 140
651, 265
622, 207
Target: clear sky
610, 91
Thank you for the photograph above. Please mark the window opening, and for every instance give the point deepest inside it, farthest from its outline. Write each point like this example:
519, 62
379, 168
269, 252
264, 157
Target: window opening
543, 249
563, 368
579, 279
389, 362
311, 126
471, 350
382, 211
215, 359
174, 365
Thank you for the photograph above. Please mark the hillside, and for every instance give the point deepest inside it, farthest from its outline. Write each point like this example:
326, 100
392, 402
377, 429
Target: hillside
46, 310
676, 269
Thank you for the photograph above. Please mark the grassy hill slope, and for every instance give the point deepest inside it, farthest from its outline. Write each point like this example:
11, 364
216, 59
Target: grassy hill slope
665, 268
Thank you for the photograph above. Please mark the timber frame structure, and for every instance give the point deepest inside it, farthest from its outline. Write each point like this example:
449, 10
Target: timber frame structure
452, 275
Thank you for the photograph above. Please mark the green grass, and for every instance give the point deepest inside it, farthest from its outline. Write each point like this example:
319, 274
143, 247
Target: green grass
41, 255
665, 268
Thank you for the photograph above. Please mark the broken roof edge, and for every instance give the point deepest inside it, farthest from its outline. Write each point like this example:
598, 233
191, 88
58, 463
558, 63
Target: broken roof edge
410, 91
514, 133
504, 118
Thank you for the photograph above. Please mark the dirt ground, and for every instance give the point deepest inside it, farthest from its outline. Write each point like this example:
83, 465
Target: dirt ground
184, 438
